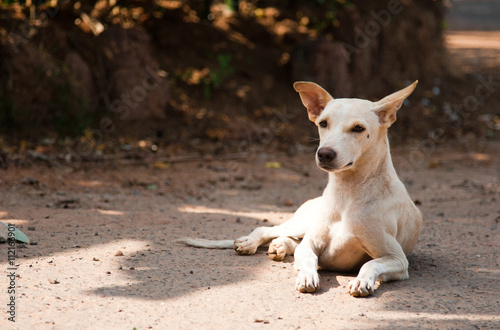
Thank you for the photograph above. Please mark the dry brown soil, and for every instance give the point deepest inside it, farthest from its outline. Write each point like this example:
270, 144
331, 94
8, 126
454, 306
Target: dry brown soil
74, 277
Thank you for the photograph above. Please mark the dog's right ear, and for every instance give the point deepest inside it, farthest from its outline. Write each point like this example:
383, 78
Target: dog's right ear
314, 98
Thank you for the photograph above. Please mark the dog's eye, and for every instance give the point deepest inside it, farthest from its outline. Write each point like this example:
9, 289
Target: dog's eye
358, 129
323, 123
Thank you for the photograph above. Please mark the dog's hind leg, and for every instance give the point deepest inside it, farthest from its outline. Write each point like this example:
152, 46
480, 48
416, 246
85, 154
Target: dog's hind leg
281, 247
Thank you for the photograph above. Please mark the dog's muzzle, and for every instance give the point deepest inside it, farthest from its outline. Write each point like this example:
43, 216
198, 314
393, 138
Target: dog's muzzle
326, 158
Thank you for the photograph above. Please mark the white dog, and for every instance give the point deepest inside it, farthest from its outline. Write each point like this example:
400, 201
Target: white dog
365, 218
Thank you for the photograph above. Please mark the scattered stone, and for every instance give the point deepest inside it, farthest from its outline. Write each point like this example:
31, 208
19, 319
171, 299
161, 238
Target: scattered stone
258, 320
67, 203
251, 185
53, 281
27, 180
118, 253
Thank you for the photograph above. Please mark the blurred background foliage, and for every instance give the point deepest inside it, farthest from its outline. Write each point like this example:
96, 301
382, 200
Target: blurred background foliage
181, 73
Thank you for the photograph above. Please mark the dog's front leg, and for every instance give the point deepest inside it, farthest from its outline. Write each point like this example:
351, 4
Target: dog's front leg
262, 235
249, 244
295, 227
306, 262
392, 266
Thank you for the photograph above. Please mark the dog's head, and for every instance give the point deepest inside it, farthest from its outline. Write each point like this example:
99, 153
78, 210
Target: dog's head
348, 127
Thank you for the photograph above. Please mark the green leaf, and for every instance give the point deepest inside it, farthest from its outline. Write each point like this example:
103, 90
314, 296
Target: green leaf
152, 186
18, 235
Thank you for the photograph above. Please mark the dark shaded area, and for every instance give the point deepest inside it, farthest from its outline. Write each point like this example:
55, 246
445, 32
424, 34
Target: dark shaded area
178, 74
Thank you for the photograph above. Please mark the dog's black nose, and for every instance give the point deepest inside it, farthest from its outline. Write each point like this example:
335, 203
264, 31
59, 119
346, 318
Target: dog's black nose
326, 155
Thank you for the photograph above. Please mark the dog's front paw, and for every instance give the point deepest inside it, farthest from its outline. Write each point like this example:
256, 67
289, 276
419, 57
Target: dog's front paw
361, 287
246, 245
307, 282
277, 250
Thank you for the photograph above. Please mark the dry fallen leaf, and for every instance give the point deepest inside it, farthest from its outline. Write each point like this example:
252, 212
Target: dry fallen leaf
161, 165
273, 165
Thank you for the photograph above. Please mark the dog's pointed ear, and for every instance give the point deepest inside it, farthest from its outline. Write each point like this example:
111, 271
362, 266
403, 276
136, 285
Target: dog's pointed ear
387, 107
314, 98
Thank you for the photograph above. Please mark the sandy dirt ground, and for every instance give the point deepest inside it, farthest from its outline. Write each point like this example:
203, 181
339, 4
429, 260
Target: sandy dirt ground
105, 255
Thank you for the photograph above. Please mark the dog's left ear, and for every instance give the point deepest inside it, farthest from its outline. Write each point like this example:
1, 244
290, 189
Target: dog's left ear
314, 98
387, 107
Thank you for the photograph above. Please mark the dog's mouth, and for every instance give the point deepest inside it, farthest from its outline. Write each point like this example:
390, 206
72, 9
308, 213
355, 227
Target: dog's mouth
329, 168
348, 166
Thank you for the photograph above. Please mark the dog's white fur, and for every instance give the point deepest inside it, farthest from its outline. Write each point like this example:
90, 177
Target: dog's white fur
365, 217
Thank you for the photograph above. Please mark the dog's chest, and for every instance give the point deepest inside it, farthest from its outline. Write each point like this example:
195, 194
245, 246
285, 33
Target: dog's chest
344, 251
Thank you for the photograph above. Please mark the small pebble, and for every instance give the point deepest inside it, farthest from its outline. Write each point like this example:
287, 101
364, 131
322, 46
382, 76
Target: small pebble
261, 321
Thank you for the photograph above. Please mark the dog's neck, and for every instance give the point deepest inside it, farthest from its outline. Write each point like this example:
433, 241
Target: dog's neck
374, 163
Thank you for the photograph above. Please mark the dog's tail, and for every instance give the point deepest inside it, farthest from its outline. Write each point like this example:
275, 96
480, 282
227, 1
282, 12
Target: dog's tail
206, 243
